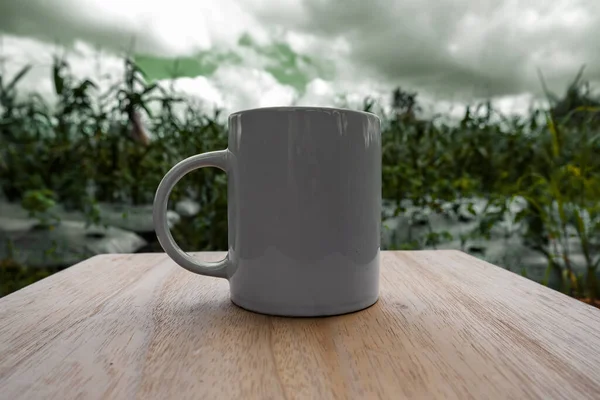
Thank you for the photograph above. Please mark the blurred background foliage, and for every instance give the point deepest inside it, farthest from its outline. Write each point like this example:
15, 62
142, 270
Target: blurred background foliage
54, 153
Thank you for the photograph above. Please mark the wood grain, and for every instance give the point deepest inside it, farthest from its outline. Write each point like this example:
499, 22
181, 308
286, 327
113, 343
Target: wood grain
446, 326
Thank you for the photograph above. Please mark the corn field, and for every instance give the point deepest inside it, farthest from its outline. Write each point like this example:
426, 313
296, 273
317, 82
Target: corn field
52, 153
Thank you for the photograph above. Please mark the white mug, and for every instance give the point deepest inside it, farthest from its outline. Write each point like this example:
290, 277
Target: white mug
304, 210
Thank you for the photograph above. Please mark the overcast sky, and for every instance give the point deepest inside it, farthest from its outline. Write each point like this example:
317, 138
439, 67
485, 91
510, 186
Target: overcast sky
448, 50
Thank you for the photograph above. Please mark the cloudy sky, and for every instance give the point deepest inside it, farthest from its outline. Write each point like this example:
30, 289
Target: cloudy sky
239, 54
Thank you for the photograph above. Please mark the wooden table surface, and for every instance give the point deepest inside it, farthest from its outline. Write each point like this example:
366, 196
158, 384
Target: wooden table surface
446, 326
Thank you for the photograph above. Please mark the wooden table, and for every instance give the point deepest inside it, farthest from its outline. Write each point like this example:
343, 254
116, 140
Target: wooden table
446, 326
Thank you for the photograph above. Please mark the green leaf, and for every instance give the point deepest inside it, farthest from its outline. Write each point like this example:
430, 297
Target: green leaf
149, 89
86, 84
471, 209
59, 82
546, 278
554, 133
146, 109
17, 78
588, 109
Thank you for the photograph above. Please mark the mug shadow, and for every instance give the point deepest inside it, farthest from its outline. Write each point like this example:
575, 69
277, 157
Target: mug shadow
224, 310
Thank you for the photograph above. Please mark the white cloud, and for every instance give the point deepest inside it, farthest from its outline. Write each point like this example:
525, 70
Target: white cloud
234, 88
84, 62
174, 27
450, 51
457, 47
318, 93
230, 87
199, 88
244, 87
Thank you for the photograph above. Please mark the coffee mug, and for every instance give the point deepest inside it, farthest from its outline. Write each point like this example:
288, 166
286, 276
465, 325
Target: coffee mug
304, 210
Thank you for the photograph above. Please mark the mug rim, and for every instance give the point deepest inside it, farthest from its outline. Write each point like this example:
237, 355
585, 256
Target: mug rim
302, 108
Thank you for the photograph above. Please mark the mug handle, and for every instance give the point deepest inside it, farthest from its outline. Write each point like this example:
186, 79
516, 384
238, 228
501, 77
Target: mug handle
216, 159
